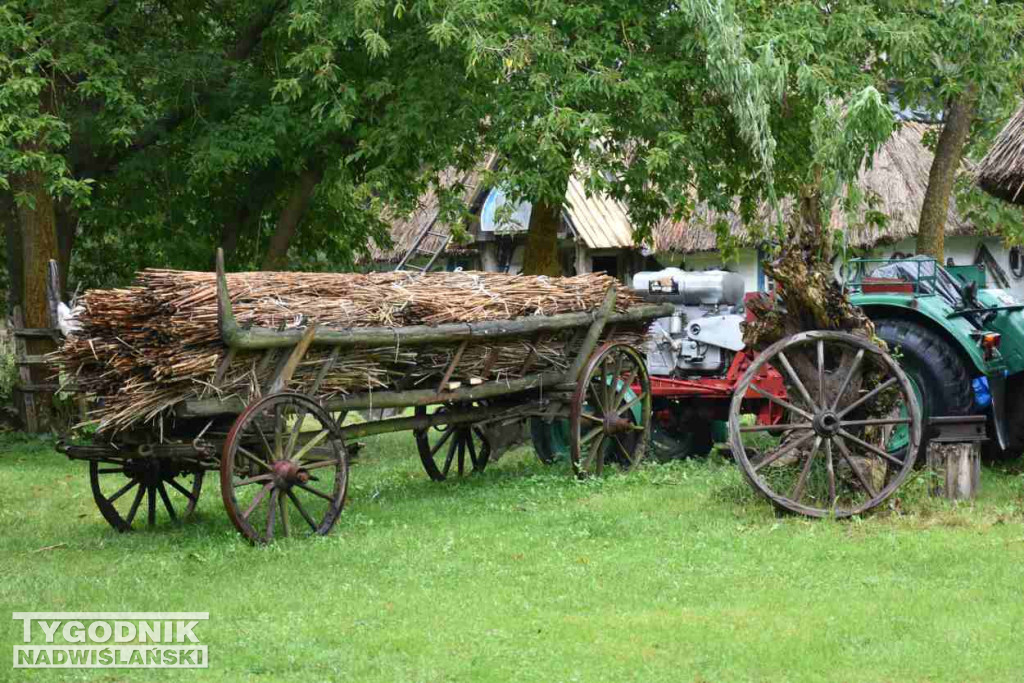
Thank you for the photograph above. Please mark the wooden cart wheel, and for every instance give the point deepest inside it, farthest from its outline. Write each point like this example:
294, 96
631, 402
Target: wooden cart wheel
144, 488
610, 415
284, 466
851, 420
463, 446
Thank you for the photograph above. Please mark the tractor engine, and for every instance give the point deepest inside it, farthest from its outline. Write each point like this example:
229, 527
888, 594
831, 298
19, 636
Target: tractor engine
701, 337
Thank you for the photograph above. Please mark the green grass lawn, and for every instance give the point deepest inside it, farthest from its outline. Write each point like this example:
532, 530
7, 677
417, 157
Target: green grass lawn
675, 572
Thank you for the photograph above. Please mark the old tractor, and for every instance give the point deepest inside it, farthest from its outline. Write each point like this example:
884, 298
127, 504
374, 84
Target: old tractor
960, 345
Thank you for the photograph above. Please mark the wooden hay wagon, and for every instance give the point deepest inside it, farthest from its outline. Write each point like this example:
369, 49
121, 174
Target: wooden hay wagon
282, 447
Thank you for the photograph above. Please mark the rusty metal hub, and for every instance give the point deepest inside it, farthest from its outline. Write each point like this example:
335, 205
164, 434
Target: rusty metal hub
287, 473
615, 424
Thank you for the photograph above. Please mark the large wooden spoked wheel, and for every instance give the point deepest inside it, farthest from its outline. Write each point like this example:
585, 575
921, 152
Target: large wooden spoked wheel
851, 429
284, 469
153, 489
610, 414
451, 448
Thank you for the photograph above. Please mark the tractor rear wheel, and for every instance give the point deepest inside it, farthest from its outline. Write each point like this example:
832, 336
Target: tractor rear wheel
941, 378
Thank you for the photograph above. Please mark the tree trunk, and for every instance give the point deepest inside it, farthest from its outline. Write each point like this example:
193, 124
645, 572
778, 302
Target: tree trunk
288, 222
12, 242
805, 285
38, 223
67, 228
541, 257
931, 230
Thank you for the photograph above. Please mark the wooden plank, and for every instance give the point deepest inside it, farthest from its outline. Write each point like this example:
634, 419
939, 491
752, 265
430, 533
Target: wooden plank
31, 388
29, 412
35, 332
32, 360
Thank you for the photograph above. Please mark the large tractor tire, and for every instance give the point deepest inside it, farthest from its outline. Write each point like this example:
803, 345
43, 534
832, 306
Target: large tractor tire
941, 378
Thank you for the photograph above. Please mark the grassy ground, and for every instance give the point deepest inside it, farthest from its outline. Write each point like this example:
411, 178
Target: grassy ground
676, 572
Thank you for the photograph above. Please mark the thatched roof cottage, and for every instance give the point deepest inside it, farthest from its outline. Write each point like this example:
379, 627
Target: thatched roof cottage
597, 234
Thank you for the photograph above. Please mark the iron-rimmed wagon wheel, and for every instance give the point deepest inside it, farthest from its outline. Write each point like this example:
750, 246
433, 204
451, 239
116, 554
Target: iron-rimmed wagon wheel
144, 488
443, 446
284, 464
852, 419
610, 414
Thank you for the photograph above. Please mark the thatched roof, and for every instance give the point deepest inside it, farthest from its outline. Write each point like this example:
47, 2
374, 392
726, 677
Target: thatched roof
1001, 172
404, 231
894, 185
896, 181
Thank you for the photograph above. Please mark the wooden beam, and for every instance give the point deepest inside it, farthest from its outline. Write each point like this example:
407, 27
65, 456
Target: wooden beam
388, 399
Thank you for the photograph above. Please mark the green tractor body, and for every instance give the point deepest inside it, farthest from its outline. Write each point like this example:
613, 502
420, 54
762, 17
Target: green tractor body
948, 332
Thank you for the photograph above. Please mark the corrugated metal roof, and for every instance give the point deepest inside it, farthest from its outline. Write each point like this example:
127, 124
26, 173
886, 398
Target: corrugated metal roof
600, 221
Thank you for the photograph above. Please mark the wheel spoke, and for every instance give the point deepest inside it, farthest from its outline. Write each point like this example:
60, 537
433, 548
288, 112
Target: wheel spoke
830, 468
639, 397
595, 450
781, 402
868, 396
167, 501
283, 510
449, 457
257, 499
627, 383
271, 511
293, 438
307, 487
321, 463
278, 436
625, 453
798, 490
796, 381
310, 445
181, 489
263, 436
783, 451
302, 510
608, 381
462, 454
472, 448
252, 456
592, 418
876, 423
849, 376
591, 434
135, 505
845, 453
123, 490
776, 427
151, 506
597, 399
874, 449
116, 470
821, 373
441, 441
253, 480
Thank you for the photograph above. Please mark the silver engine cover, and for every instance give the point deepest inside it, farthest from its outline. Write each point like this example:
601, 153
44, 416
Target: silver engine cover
691, 288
